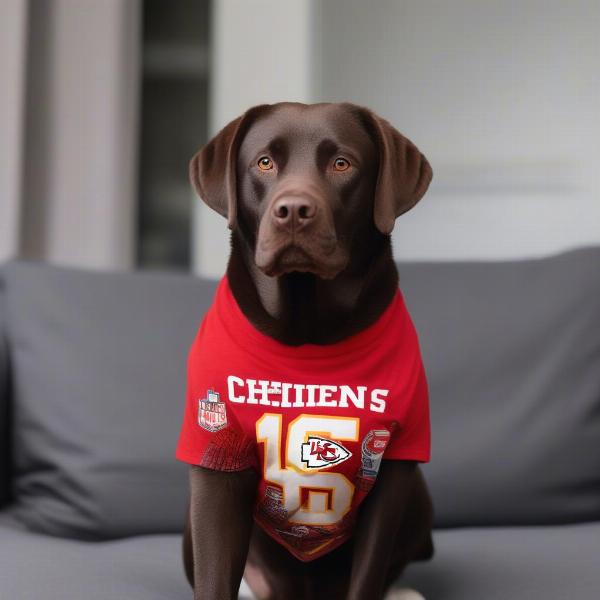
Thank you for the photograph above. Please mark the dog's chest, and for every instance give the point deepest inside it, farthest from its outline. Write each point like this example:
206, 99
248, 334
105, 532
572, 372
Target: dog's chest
314, 421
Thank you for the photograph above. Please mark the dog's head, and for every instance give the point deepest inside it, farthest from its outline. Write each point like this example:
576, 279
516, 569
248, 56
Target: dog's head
306, 184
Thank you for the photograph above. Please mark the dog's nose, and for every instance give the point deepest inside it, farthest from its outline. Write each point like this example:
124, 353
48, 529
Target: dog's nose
294, 211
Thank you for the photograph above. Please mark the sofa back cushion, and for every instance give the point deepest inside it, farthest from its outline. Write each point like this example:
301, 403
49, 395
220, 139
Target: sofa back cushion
512, 353
100, 366
4, 401
511, 349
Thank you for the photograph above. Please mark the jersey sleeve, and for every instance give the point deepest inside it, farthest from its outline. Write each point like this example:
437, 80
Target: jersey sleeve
411, 440
210, 435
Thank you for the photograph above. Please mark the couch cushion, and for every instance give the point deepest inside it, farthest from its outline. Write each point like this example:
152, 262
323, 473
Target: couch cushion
4, 396
99, 363
512, 353
520, 563
144, 567
34, 565
549, 563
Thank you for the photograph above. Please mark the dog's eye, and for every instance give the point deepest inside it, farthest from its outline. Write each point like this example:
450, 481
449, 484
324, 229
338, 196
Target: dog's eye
265, 163
341, 164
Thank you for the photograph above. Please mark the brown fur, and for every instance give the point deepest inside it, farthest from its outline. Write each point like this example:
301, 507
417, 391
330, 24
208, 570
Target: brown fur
310, 262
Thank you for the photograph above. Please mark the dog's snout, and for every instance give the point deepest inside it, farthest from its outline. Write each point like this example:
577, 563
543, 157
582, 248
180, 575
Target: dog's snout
294, 211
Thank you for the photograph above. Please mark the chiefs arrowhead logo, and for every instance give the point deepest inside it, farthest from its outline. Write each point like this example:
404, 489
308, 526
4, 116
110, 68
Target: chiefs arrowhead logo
318, 452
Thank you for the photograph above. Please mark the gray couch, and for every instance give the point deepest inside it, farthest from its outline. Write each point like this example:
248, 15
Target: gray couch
92, 379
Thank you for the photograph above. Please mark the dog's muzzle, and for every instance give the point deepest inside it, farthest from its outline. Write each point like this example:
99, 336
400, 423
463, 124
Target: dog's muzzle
297, 233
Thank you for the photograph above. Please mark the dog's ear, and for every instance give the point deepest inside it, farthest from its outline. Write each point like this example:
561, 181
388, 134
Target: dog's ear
212, 169
404, 173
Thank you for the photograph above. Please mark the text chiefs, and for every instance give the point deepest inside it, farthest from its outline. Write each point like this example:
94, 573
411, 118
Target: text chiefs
300, 395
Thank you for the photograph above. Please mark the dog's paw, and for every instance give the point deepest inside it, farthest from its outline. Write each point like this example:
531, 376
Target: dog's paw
403, 594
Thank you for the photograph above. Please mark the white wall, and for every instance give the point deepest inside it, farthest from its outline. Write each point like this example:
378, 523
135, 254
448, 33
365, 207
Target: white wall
262, 51
502, 97
13, 35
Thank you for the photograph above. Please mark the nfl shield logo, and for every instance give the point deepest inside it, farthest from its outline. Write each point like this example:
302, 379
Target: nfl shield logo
212, 414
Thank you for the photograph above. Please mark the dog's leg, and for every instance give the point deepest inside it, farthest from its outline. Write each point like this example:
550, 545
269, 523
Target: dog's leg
413, 541
257, 582
187, 550
272, 573
393, 528
220, 526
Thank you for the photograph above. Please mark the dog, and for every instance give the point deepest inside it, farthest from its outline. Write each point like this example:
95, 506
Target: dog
311, 193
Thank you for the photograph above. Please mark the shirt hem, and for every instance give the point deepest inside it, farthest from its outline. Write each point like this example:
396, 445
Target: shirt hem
191, 458
324, 548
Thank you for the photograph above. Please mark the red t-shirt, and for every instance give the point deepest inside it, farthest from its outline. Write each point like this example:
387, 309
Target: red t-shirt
314, 420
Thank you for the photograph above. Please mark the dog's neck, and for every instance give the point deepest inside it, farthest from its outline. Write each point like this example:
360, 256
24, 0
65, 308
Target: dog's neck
298, 308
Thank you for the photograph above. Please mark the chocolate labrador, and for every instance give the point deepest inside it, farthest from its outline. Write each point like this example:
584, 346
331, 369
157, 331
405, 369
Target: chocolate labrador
311, 193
